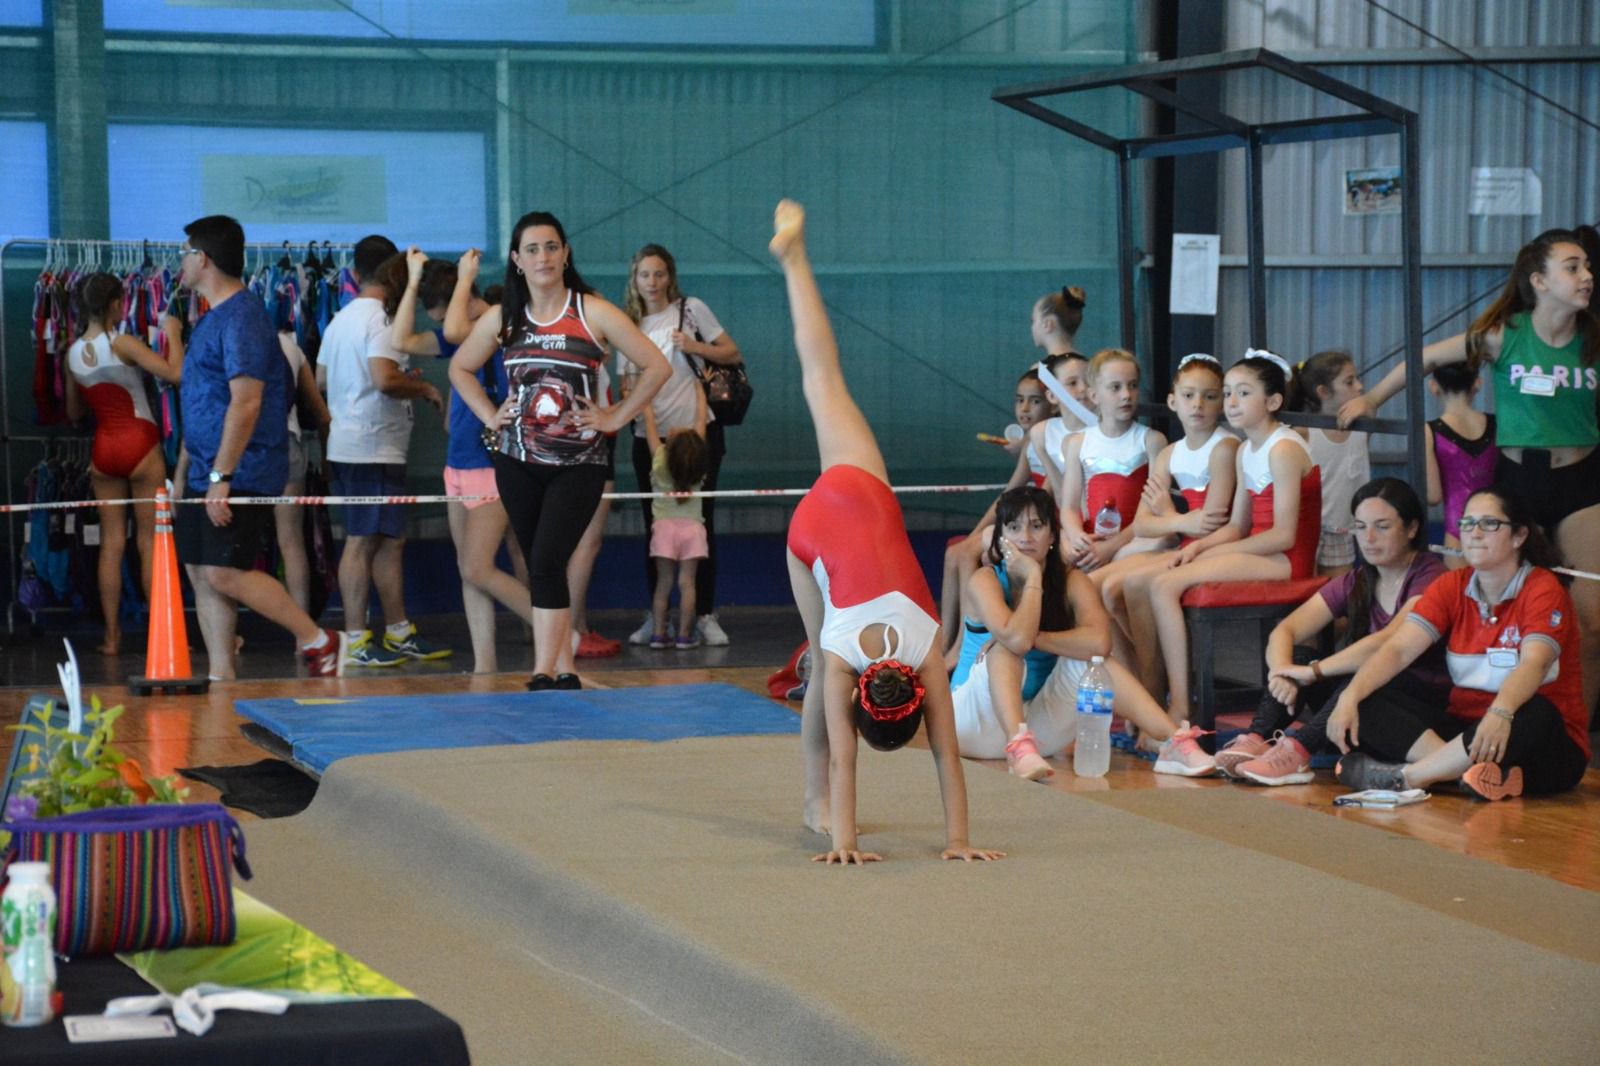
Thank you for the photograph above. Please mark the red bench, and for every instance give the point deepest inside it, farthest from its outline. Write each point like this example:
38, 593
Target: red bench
1262, 602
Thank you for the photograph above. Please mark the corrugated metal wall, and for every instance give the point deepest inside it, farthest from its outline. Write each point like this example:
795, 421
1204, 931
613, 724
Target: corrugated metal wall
1469, 118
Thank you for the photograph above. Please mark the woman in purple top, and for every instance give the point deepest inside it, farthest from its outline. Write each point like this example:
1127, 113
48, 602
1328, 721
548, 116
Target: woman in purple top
1461, 449
1374, 598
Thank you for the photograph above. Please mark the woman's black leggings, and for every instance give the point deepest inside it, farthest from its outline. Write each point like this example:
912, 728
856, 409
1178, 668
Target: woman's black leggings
705, 575
1317, 700
549, 507
1539, 743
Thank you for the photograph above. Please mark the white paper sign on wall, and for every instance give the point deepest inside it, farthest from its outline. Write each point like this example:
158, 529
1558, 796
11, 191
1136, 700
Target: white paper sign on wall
1506, 191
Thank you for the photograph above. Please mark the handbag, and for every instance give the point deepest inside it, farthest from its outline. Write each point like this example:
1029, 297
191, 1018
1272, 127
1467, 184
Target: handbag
728, 388
136, 878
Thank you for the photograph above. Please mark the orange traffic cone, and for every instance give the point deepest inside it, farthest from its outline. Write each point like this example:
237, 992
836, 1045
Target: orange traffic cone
167, 654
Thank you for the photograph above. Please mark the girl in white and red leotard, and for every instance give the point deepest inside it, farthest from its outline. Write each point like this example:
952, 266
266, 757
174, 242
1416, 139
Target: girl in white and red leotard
107, 373
874, 631
1271, 534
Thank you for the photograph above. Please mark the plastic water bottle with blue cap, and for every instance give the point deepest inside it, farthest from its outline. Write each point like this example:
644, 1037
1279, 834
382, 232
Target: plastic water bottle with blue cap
1091, 757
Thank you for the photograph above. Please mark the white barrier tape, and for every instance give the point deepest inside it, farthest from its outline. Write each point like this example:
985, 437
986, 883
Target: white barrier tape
1440, 549
721, 494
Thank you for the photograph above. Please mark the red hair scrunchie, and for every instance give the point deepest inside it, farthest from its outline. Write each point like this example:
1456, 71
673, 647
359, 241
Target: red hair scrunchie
890, 714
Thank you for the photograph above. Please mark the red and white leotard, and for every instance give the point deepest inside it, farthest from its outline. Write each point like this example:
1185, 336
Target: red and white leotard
1257, 474
849, 530
1114, 469
1055, 432
125, 430
1190, 469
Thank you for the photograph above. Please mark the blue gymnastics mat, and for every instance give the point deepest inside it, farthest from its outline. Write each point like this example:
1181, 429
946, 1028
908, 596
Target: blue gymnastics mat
319, 731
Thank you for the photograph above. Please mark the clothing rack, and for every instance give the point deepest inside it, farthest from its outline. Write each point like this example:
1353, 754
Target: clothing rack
120, 256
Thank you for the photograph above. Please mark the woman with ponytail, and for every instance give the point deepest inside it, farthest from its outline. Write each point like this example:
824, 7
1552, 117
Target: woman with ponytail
1541, 341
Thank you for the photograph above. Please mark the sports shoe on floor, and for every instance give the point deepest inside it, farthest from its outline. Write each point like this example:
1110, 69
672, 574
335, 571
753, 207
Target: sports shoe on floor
1182, 754
592, 645
1242, 748
641, 636
712, 635
1486, 780
328, 660
364, 651
541, 683
1287, 762
567, 681
660, 640
1022, 757
413, 646
690, 641
1360, 772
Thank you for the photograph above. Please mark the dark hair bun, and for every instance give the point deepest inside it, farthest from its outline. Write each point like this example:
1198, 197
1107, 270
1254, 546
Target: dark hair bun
1074, 297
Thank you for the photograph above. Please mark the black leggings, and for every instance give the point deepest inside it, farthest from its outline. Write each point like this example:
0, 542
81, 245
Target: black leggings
549, 507
1539, 743
705, 575
1317, 700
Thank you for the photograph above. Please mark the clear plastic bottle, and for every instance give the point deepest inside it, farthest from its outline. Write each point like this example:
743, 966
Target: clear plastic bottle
1108, 523
28, 920
1091, 757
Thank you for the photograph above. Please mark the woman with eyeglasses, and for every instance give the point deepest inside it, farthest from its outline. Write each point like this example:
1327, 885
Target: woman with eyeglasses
1515, 721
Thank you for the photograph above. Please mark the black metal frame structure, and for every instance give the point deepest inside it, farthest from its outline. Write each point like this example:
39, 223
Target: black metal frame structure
1210, 131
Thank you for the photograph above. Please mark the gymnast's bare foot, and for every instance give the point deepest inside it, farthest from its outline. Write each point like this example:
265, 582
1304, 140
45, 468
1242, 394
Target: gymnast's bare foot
788, 229
818, 817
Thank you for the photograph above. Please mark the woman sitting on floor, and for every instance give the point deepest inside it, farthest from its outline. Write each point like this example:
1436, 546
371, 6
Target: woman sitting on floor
1515, 719
1016, 686
1375, 598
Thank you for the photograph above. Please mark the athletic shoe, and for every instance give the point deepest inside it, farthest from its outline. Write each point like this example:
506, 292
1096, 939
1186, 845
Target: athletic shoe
362, 651
1022, 757
690, 641
1181, 754
641, 636
567, 681
712, 635
1360, 772
1486, 780
541, 683
660, 640
1242, 748
413, 646
592, 645
328, 660
1287, 762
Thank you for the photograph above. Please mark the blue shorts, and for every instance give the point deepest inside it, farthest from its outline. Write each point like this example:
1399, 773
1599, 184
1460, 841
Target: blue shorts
371, 479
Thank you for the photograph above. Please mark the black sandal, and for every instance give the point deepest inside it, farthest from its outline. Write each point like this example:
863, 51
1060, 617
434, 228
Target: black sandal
541, 682
567, 681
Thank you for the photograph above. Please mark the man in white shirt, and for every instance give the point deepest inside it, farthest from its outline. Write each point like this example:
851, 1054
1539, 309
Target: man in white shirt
370, 389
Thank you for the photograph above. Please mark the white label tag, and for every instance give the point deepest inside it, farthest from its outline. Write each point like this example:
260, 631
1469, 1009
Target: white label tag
93, 1029
1538, 385
91, 534
1503, 658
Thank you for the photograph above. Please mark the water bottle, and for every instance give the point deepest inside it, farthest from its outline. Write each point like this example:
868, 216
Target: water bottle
1108, 523
1092, 755
28, 921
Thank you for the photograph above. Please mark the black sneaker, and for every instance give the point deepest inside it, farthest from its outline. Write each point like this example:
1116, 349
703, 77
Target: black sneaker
541, 683
1361, 772
567, 681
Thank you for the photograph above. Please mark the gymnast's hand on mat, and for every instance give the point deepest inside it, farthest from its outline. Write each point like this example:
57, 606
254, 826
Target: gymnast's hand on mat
590, 415
968, 854
848, 857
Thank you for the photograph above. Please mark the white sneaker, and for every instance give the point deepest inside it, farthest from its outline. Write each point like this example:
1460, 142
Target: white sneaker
641, 637
712, 634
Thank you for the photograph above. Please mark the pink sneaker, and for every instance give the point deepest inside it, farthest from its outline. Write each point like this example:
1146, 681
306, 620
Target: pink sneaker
1242, 748
1022, 757
1182, 754
1287, 762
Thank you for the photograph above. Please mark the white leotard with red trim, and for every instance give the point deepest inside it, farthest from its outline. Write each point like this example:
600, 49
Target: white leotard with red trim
1190, 470
1114, 469
849, 530
1256, 470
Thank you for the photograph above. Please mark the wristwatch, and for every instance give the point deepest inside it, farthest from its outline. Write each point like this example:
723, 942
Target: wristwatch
218, 478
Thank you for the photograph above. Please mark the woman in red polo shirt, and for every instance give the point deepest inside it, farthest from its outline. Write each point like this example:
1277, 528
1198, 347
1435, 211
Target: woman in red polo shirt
1516, 720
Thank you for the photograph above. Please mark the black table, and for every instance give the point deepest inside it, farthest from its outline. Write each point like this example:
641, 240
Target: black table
381, 1031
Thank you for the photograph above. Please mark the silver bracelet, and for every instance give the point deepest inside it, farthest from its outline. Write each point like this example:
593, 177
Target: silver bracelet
1501, 712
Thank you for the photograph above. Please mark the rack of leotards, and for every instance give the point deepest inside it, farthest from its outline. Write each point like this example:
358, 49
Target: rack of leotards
302, 287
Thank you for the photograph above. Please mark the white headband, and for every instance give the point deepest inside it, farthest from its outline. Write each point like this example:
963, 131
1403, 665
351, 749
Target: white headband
1273, 357
1196, 357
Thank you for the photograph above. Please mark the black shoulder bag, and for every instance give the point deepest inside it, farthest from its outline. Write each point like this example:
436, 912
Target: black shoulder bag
728, 388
